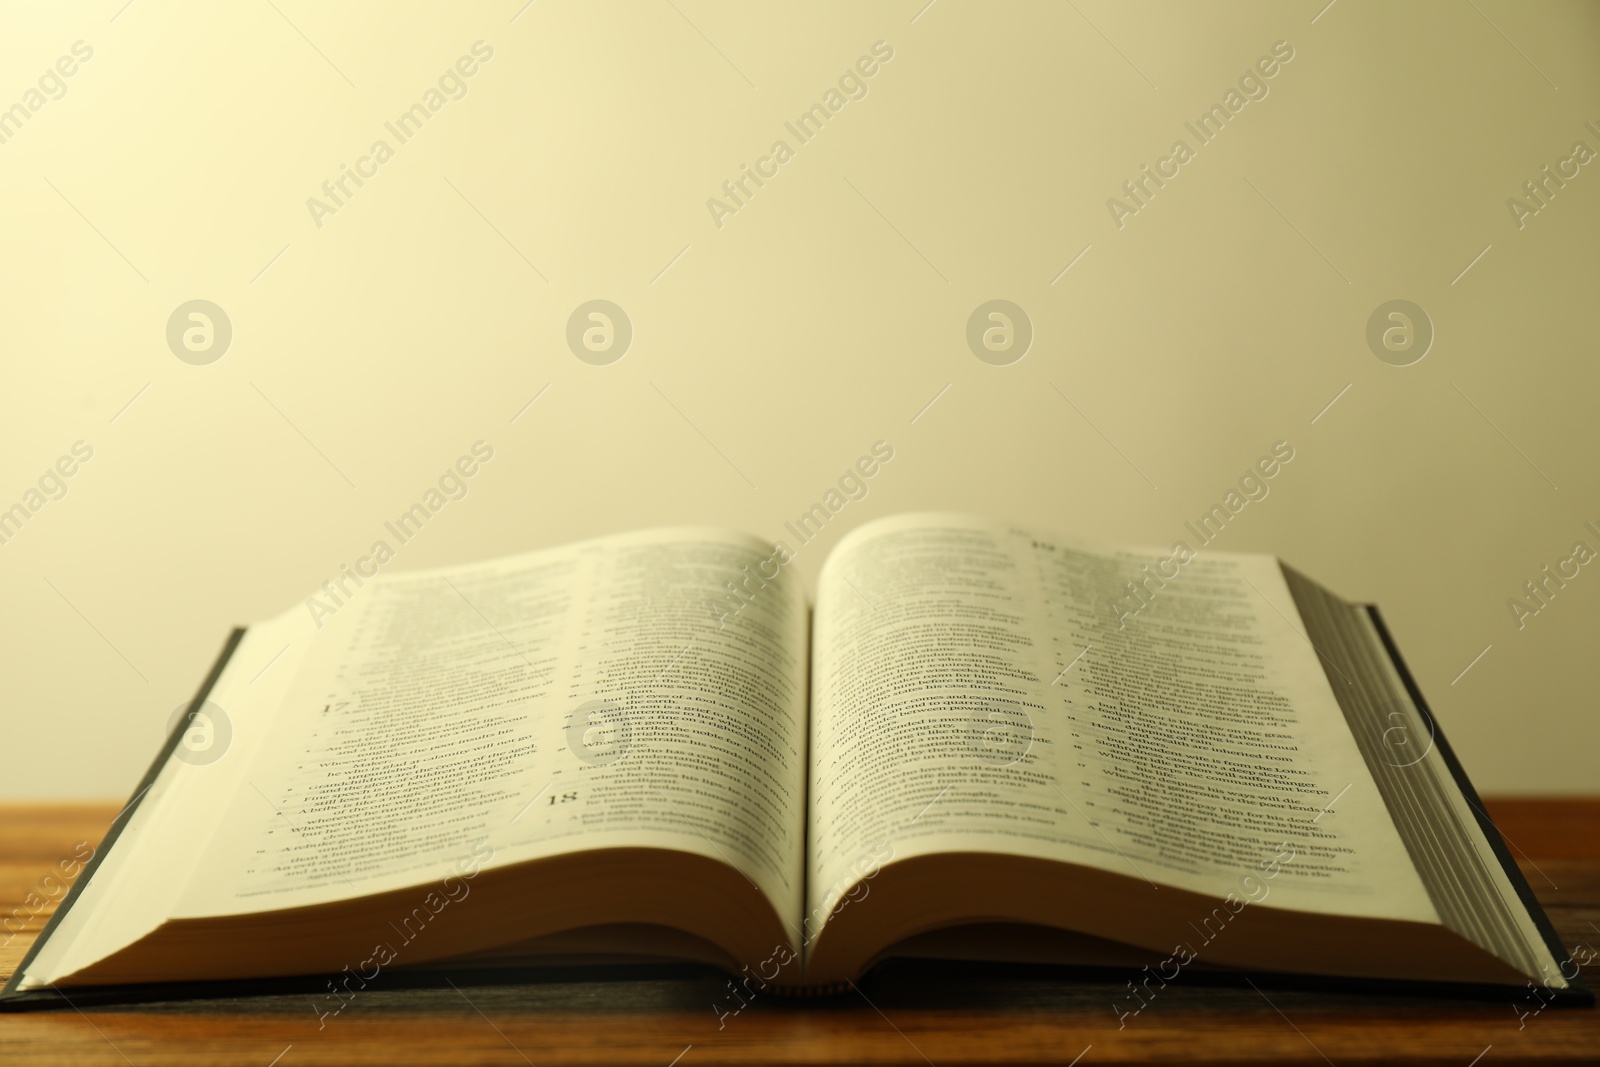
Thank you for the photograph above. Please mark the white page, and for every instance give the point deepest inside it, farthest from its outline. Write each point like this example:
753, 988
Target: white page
974, 690
432, 722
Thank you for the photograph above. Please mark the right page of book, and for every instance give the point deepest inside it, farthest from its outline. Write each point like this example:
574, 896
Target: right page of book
1155, 713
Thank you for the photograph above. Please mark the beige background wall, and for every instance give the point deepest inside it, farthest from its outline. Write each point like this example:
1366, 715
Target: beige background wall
825, 315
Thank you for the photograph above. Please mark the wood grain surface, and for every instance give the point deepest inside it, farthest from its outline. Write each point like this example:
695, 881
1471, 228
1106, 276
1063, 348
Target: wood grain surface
938, 1015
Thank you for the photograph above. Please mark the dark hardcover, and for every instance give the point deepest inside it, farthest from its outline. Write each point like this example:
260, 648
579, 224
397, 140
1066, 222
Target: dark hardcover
10, 994
1577, 993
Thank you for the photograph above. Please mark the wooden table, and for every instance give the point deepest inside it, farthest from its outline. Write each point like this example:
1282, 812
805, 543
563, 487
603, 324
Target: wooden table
949, 1017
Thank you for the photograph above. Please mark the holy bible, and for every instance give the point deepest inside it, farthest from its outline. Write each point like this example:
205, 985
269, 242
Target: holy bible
980, 743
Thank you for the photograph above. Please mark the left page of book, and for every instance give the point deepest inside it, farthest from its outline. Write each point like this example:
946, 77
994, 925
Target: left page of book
607, 694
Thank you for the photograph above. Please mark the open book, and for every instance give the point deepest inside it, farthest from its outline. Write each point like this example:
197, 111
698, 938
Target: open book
983, 743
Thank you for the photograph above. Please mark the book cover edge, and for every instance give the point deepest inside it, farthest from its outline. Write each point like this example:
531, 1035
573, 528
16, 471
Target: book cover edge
9, 992
1578, 992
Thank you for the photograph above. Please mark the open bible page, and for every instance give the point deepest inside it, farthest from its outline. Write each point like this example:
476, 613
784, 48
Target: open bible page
976, 689
577, 698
